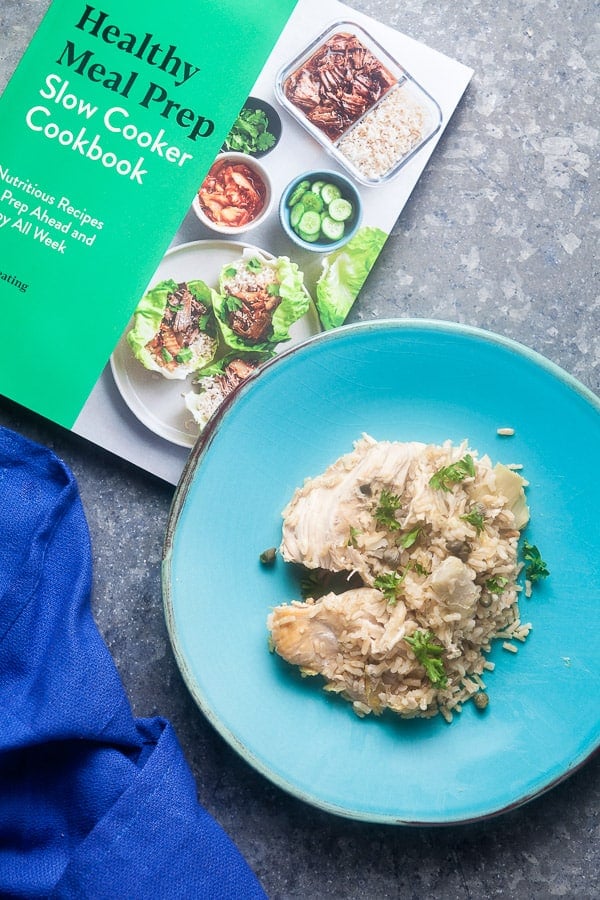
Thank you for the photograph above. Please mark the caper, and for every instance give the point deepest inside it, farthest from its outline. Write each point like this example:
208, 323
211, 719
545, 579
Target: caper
481, 700
460, 549
267, 557
391, 556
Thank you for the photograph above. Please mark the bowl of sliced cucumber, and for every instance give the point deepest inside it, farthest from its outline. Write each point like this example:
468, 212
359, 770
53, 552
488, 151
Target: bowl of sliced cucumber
320, 210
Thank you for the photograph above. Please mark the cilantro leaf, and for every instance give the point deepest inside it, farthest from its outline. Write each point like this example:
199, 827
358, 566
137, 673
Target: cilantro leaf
496, 584
265, 141
428, 655
249, 133
447, 476
535, 567
385, 514
354, 533
388, 583
232, 303
475, 518
410, 538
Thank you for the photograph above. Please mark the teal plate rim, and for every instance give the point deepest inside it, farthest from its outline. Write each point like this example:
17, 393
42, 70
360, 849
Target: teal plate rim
202, 448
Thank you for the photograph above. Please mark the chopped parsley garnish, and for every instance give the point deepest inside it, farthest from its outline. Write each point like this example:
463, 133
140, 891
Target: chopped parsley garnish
254, 264
496, 584
230, 272
428, 655
447, 476
535, 567
273, 289
354, 533
388, 583
409, 538
385, 514
476, 519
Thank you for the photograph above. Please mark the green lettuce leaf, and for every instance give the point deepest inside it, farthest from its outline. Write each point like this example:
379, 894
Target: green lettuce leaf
344, 273
219, 366
290, 286
146, 323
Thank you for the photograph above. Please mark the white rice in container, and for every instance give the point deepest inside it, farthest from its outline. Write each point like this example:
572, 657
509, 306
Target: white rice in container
385, 134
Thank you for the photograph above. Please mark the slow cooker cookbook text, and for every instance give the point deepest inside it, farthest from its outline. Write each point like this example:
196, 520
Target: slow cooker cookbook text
53, 119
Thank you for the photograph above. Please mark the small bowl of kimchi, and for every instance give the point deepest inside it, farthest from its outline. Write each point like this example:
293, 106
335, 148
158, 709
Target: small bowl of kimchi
235, 196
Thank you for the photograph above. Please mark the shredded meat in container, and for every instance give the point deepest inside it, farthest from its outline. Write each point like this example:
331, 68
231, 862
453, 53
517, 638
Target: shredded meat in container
338, 84
432, 534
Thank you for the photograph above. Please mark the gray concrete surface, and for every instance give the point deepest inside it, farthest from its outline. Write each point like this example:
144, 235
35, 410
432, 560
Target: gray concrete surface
501, 232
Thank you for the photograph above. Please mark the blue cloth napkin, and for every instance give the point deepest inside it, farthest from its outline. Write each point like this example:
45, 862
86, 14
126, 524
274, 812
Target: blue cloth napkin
93, 802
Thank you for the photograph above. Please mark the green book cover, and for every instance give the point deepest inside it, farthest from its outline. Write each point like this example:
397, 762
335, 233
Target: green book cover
153, 157
108, 125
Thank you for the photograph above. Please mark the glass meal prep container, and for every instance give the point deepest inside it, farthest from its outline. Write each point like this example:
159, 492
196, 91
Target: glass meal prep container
358, 102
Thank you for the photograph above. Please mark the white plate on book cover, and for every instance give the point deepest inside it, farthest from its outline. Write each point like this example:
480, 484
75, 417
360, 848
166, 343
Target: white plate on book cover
156, 401
397, 380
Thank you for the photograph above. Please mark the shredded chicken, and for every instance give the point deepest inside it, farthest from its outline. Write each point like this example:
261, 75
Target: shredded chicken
318, 519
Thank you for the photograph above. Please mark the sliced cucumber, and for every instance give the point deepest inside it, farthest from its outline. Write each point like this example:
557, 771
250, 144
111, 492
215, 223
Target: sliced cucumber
312, 201
331, 229
309, 238
297, 211
340, 209
319, 211
310, 223
330, 192
298, 192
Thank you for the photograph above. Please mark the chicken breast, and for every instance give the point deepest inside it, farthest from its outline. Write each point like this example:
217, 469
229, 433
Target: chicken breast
355, 640
325, 513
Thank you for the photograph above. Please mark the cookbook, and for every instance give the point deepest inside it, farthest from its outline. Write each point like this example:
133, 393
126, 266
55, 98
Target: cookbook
184, 193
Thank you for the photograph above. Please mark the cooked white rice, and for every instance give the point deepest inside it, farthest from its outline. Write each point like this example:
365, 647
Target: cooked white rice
386, 134
202, 403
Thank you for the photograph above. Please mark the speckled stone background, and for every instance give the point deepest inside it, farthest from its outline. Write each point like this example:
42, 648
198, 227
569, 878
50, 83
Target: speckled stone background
501, 232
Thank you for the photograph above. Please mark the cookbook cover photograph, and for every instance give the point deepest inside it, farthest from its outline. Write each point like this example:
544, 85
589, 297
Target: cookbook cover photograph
180, 203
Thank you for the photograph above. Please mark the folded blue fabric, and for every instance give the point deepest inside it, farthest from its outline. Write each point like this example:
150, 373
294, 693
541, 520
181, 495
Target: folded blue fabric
93, 802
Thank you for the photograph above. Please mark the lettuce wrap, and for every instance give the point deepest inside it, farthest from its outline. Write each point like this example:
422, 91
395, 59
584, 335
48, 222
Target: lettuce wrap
344, 273
258, 300
174, 330
219, 379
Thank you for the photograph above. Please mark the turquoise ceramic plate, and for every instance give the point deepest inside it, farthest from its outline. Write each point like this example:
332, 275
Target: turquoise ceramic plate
402, 380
